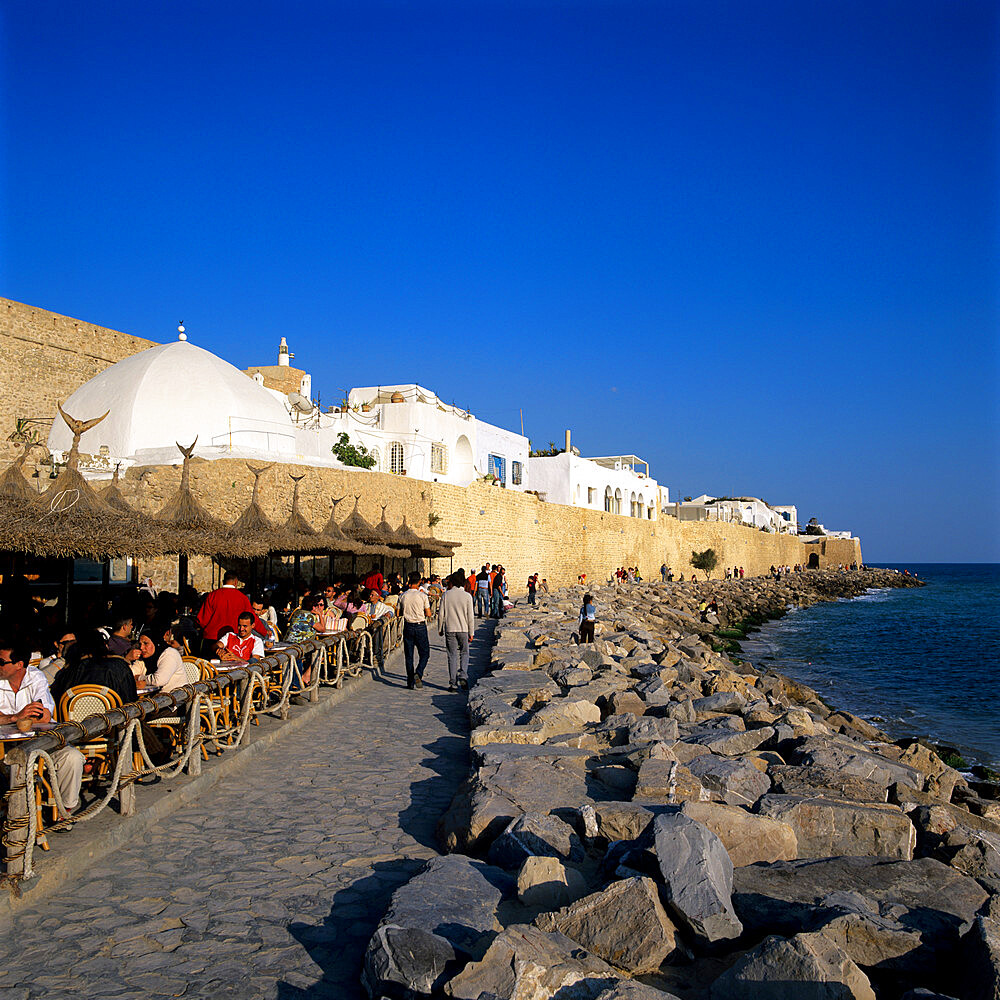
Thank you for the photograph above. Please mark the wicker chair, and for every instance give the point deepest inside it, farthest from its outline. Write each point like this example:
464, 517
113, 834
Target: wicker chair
77, 704
173, 725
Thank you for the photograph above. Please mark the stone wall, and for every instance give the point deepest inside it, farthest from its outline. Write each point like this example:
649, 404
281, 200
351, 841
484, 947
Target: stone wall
44, 358
518, 530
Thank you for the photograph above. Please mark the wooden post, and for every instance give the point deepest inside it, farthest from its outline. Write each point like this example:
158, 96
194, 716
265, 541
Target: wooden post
182, 572
17, 810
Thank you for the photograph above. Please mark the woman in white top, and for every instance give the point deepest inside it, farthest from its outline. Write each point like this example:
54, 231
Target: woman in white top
169, 673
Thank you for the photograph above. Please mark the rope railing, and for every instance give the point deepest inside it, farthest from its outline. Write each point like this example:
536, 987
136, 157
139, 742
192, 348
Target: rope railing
265, 686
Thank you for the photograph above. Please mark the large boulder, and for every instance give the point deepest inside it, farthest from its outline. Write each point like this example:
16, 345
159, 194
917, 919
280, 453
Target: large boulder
737, 782
668, 781
805, 967
698, 875
436, 920
825, 828
535, 834
982, 960
565, 714
731, 744
849, 757
891, 915
546, 883
525, 963
624, 924
747, 837
828, 782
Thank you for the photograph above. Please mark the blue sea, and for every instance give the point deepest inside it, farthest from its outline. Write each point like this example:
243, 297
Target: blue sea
917, 662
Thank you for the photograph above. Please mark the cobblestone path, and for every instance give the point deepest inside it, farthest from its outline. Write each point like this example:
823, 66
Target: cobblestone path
271, 883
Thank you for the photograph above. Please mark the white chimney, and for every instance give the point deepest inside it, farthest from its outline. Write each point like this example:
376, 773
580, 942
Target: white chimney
567, 443
283, 353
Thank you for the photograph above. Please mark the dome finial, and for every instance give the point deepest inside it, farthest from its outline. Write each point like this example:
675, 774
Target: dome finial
181, 335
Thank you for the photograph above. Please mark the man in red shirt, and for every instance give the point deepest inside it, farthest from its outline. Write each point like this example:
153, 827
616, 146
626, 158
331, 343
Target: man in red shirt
241, 644
222, 609
374, 581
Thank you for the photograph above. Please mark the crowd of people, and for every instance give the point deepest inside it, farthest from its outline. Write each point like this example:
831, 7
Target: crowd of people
136, 643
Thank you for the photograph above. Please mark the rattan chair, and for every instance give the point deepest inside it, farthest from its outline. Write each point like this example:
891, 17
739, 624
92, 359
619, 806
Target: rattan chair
80, 702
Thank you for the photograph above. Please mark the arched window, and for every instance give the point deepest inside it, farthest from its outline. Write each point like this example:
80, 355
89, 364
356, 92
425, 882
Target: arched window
609, 501
396, 466
631, 506
639, 505
618, 501
375, 453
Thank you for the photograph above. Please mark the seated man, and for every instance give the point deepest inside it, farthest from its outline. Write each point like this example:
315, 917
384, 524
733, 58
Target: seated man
120, 640
241, 644
25, 695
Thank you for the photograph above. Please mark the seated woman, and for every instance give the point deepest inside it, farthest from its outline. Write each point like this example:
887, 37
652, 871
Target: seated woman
307, 622
168, 668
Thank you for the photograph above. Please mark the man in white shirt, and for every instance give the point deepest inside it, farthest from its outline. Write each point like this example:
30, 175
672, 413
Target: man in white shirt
415, 609
24, 694
456, 622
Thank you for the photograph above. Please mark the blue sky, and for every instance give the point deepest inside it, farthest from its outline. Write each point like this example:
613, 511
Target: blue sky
755, 243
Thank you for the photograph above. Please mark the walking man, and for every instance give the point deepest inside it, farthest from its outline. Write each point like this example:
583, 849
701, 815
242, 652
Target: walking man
456, 624
483, 593
416, 609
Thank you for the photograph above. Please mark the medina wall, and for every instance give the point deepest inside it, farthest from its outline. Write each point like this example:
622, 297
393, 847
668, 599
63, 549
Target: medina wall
518, 530
44, 358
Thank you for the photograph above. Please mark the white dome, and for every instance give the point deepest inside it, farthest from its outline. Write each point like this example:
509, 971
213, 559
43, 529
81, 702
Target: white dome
171, 393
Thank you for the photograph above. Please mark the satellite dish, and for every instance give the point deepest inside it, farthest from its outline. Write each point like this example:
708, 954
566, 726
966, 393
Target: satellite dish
299, 402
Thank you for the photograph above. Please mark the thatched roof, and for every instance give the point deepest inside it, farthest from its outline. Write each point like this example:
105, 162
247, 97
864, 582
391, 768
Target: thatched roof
386, 534
358, 530
425, 547
187, 527
297, 534
70, 519
14, 488
254, 533
337, 541
114, 497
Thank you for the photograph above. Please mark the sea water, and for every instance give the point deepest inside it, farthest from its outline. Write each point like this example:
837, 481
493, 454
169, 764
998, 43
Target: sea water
919, 662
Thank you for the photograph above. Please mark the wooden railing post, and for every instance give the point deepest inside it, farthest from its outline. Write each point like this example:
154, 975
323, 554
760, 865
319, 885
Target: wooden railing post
16, 839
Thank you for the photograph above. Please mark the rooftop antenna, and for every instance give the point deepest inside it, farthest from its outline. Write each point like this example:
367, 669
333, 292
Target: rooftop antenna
181, 335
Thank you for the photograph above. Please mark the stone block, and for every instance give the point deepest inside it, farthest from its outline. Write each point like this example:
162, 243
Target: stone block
625, 924
826, 828
698, 874
806, 965
747, 837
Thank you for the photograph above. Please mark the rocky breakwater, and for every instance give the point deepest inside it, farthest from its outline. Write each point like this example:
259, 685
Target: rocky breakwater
648, 817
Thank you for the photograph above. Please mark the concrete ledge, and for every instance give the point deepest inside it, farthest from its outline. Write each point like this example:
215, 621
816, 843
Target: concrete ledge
56, 867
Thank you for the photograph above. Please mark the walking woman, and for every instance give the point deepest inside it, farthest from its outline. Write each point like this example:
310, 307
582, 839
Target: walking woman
588, 615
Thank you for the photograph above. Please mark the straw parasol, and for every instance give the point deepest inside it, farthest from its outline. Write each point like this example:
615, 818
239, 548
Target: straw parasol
425, 547
387, 536
113, 496
70, 519
337, 541
254, 533
358, 529
190, 529
15, 493
297, 534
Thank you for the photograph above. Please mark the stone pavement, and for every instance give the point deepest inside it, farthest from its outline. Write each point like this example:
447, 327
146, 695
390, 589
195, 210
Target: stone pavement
270, 884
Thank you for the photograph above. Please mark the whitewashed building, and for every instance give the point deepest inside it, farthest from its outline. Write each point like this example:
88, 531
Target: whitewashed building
178, 392
751, 511
618, 484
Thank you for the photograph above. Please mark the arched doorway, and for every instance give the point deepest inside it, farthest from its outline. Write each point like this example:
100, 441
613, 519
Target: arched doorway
463, 468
